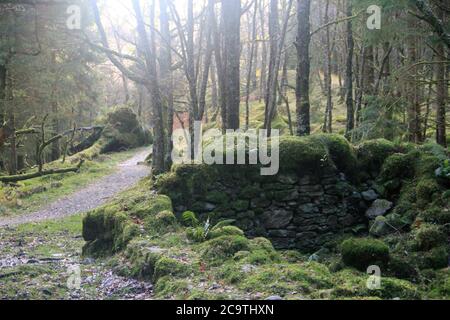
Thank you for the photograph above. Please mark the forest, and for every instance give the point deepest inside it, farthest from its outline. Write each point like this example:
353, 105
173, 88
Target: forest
224, 149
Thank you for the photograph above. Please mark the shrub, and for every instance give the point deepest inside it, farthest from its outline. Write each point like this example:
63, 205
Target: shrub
189, 219
364, 252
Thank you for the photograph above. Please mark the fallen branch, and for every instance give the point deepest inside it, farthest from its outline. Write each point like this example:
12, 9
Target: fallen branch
22, 177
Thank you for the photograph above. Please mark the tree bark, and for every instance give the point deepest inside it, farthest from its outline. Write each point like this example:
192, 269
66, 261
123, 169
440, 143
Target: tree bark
350, 123
250, 66
231, 19
165, 64
303, 67
149, 50
441, 90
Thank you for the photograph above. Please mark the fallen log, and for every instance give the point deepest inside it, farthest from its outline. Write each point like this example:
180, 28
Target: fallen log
23, 177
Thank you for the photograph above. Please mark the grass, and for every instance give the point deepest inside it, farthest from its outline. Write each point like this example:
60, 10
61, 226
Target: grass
32, 194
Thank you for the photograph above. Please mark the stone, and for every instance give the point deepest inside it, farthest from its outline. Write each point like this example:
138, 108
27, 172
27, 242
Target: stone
308, 208
274, 298
209, 207
287, 179
240, 205
379, 208
380, 227
260, 203
277, 219
282, 233
370, 195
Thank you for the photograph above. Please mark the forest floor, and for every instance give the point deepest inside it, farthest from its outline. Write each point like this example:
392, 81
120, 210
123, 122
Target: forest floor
40, 253
42, 260
87, 197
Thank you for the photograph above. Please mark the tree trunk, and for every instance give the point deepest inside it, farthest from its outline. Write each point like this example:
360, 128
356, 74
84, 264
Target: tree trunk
149, 50
2, 94
165, 65
350, 123
328, 81
263, 80
441, 90
231, 19
303, 67
274, 35
250, 67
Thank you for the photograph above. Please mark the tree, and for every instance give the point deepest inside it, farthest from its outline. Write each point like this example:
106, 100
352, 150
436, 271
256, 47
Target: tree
350, 122
231, 19
303, 67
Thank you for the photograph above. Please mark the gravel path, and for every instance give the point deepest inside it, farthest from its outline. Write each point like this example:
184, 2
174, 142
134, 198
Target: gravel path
128, 173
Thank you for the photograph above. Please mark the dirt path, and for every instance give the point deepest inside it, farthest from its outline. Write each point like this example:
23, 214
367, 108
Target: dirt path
128, 173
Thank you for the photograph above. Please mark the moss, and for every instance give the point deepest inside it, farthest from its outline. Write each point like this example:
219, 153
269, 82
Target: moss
436, 258
397, 166
225, 231
364, 252
196, 234
301, 155
216, 197
429, 236
372, 154
425, 190
168, 287
107, 229
340, 151
171, 267
151, 206
164, 221
219, 249
350, 283
440, 286
436, 214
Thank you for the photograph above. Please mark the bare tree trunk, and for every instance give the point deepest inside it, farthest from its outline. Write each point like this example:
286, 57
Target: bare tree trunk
207, 62
166, 77
250, 67
231, 19
221, 76
214, 94
2, 94
274, 35
11, 127
263, 80
349, 75
303, 68
272, 89
149, 50
56, 150
441, 90
328, 81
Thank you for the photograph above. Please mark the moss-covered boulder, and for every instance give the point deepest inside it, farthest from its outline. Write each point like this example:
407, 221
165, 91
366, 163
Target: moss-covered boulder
364, 252
110, 228
372, 155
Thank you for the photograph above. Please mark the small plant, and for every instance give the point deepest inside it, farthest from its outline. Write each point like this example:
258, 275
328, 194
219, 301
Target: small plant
199, 231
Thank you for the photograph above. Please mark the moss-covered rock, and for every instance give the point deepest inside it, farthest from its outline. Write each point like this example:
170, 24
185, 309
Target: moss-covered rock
219, 249
166, 266
373, 153
364, 252
164, 221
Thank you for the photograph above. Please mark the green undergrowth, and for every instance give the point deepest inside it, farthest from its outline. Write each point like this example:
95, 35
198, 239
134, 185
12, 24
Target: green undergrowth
29, 195
190, 257
228, 265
